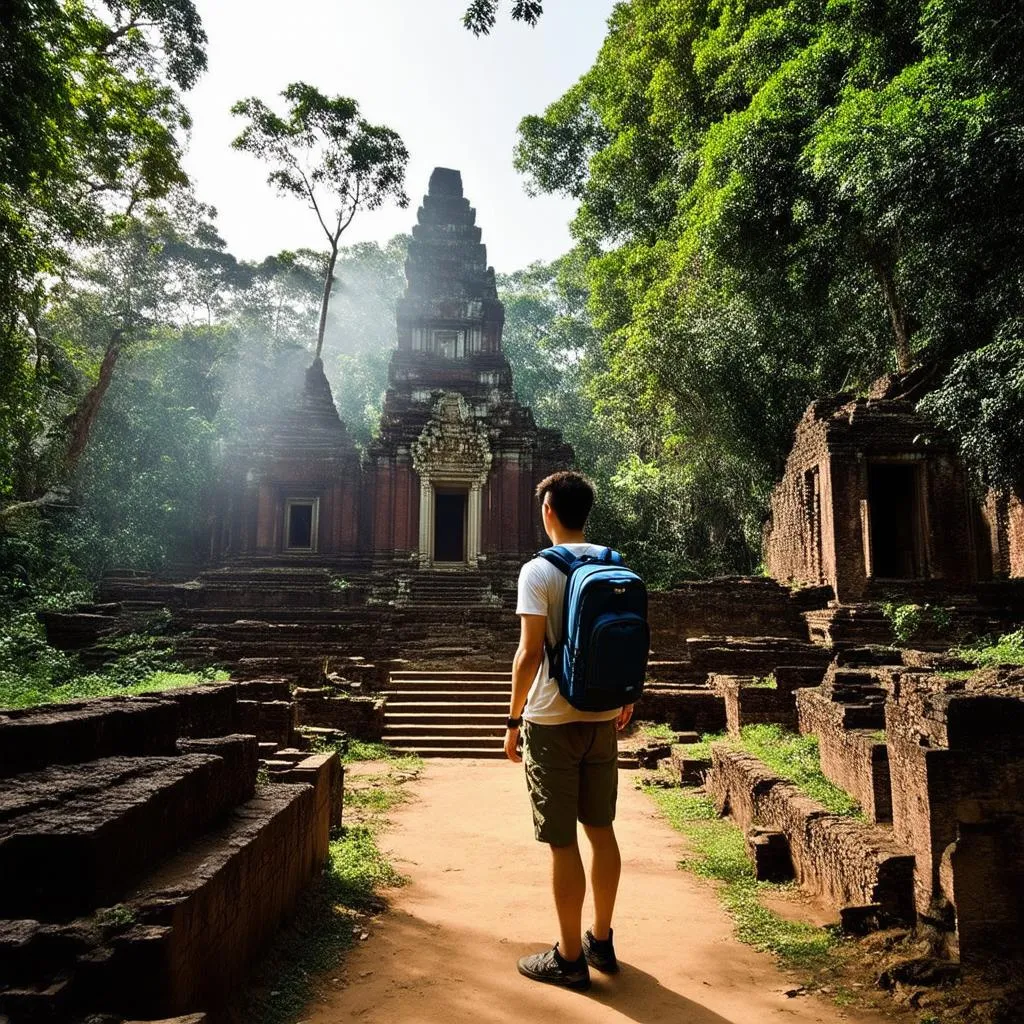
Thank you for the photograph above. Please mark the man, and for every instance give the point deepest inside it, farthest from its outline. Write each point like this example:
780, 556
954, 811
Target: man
571, 756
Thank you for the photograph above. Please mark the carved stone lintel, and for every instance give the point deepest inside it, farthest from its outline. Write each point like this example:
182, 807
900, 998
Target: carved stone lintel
452, 446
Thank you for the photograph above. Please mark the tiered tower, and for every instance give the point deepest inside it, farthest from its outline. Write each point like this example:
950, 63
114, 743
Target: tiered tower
458, 457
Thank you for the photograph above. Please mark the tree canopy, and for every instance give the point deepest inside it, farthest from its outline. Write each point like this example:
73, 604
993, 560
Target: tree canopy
785, 199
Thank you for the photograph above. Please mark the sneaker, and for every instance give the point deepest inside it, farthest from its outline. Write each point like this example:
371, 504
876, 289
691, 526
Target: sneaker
600, 954
551, 967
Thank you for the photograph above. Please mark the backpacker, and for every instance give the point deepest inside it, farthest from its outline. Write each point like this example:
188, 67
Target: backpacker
600, 660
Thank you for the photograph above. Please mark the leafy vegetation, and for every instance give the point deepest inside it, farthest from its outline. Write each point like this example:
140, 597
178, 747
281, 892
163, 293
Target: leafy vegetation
718, 852
339, 910
655, 731
782, 201
32, 672
1007, 650
325, 154
791, 756
796, 758
907, 620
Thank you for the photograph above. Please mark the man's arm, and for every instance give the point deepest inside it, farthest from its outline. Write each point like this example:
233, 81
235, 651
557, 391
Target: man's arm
529, 656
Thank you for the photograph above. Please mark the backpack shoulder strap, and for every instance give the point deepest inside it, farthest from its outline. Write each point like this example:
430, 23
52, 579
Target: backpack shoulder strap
560, 557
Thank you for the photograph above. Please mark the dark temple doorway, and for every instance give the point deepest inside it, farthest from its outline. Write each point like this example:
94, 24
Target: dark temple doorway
300, 519
450, 526
894, 504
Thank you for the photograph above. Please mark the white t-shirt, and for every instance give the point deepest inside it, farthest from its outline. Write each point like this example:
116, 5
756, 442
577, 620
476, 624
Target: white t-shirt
541, 592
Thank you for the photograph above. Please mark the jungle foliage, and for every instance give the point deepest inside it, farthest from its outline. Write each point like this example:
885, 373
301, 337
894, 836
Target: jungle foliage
780, 200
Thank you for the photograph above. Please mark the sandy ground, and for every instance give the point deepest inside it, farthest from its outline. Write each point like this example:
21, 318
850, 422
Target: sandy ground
478, 899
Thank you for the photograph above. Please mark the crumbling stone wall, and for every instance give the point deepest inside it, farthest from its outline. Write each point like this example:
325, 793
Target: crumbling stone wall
821, 514
150, 804
956, 753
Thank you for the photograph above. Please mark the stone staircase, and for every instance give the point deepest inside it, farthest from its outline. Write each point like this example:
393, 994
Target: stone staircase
447, 714
446, 589
152, 864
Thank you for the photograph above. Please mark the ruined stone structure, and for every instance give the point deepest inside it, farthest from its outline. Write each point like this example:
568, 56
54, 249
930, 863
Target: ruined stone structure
450, 480
872, 495
146, 865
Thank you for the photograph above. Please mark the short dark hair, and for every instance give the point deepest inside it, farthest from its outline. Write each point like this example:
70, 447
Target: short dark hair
572, 497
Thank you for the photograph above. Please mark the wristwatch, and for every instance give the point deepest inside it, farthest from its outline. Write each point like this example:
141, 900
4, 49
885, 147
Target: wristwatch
514, 723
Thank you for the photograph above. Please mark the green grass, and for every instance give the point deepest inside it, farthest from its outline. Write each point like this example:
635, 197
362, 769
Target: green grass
768, 682
656, 731
702, 751
19, 694
1007, 650
796, 759
333, 914
718, 852
363, 750
328, 922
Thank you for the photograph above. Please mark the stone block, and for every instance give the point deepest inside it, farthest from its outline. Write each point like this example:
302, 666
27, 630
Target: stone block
840, 859
956, 751
31, 738
689, 770
361, 717
746, 704
207, 912
270, 721
856, 760
264, 689
326, 774
75, 836
209, 710
700, 711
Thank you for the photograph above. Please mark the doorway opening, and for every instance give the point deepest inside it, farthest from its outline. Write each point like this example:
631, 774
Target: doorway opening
450, 525
894, 504
300, 524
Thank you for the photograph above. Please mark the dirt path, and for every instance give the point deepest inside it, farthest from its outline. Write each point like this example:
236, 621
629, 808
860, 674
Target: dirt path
478, 899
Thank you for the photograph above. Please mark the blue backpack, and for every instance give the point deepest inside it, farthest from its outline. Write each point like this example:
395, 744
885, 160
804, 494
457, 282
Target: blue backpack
601, 659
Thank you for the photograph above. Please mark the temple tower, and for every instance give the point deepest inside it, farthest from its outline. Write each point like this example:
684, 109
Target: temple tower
452, 475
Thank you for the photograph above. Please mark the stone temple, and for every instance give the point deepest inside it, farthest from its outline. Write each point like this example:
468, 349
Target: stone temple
449, 482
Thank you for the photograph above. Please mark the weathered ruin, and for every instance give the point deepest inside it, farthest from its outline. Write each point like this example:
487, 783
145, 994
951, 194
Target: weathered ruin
151, 868
449, 481
872, 495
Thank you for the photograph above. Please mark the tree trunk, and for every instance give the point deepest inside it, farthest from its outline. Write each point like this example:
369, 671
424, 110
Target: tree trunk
325, 301
898, 316
80, 422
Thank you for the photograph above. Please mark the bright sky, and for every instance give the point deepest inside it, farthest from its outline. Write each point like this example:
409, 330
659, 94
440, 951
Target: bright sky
455, 100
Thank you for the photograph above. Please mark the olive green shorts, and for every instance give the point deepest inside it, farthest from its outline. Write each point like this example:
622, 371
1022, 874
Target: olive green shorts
572, 773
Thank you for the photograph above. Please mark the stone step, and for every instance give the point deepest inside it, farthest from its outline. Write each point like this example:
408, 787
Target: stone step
398, 698
452, 716
407, 673
470, 740
492, 752
450, 685
194, 939
73, 837
434, 730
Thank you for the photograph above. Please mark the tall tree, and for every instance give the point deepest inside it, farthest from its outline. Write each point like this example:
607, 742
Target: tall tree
780, 200
322, 151
91, 120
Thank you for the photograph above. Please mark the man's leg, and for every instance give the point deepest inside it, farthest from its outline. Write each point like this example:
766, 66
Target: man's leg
605, 868
569, 885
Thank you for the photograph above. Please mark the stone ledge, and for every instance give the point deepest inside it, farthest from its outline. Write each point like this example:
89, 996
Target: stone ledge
31, 738
840, 859
701, 710
195, 935
854, 759
74, 836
